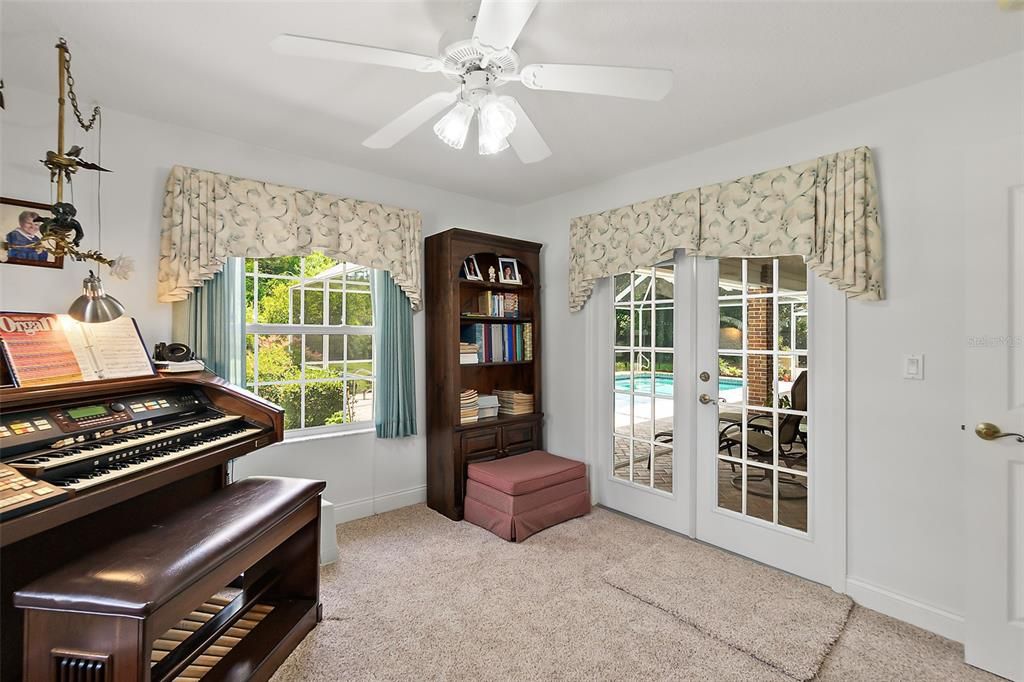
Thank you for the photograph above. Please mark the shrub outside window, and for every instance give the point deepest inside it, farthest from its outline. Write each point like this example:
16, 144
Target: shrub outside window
309, 340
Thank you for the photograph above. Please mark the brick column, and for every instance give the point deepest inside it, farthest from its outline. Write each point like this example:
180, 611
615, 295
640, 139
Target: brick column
760, 327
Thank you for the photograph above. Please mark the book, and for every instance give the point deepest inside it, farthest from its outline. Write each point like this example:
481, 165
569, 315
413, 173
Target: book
498, 342
43, 349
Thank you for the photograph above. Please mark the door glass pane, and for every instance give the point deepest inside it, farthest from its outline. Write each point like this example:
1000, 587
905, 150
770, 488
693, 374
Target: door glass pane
621, 448
762, 388
663, 468
623, 327
623, 414
760, 492
730, 485
642, 463
793, 501
623, 371
663, 325
664, 367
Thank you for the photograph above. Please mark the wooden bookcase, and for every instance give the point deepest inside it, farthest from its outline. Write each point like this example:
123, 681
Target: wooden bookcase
452, 303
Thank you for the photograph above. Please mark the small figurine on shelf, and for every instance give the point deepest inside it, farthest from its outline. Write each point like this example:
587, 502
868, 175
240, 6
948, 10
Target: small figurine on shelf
491, 272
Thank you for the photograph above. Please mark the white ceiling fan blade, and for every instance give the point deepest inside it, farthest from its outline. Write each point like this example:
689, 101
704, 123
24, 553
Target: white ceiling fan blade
529, 145
499, 22
390, 134
617, 81
321, 48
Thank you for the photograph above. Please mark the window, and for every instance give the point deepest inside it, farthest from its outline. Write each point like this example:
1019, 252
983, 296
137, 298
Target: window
309, 339
762, 388
644, 361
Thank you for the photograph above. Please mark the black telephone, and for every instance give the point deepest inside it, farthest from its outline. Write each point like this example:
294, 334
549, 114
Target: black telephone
173, 352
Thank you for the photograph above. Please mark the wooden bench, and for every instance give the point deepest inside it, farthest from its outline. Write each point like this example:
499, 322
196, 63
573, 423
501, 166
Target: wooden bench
225, 589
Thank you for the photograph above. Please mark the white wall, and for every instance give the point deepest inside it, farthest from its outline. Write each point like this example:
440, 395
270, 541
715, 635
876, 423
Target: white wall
358, 468
905, 521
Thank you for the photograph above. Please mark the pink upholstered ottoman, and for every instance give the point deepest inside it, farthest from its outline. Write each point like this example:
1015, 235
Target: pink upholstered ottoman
518, 496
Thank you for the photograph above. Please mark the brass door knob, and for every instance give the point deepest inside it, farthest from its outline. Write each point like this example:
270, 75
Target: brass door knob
705, 399
989, 431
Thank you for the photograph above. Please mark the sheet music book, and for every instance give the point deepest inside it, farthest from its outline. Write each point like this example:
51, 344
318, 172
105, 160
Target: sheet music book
43, 349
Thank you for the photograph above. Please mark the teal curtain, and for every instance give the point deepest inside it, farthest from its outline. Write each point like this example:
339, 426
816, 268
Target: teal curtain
212, 322
394, 404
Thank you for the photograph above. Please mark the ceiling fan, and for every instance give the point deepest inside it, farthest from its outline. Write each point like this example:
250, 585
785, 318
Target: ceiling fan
480, 64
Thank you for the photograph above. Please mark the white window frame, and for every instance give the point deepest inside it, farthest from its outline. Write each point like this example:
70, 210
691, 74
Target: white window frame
304, 330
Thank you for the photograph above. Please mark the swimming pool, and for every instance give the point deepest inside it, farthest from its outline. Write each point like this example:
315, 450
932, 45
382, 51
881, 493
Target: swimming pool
663, 384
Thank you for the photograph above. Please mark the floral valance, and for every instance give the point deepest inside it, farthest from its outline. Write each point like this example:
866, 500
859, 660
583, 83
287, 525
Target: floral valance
209, 217
825, 210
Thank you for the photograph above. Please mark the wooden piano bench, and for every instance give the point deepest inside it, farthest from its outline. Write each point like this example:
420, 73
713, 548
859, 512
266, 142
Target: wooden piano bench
224, 589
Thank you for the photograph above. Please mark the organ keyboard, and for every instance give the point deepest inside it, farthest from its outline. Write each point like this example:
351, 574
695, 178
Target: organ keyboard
122, 454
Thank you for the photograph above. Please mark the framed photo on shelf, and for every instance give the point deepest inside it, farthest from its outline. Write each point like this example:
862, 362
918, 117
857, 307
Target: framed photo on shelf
508, 271
19, 231
472, 270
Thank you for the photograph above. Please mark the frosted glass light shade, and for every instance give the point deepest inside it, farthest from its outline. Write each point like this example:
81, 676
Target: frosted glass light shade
496, 118
491, 144
454, 126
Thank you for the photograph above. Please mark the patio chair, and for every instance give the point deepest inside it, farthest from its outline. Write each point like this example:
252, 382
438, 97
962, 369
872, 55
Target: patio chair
759, 442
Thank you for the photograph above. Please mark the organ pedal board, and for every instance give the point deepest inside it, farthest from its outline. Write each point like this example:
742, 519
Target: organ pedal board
213, 654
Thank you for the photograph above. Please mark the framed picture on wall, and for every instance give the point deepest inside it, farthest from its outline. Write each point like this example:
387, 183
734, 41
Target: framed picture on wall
19, 231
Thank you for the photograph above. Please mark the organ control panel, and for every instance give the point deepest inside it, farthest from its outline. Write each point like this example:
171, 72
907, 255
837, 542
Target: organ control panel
64, 425
82, 446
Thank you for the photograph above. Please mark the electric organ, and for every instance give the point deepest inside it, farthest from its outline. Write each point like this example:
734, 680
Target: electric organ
115, 507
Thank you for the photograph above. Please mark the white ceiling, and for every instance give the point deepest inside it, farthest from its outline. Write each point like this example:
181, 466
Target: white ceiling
739, 68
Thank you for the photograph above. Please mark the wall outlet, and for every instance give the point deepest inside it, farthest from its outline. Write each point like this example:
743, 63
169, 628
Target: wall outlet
913, 367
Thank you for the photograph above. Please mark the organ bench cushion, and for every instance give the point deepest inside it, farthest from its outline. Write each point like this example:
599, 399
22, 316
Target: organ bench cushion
135, 575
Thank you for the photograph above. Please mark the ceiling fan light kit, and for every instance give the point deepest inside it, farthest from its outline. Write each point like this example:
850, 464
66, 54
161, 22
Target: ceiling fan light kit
479, 64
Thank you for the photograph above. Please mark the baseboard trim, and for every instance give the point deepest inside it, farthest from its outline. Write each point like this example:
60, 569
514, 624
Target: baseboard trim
368, 506
907, 609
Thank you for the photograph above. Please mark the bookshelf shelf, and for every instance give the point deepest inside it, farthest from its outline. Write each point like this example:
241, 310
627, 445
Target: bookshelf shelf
495, 364
457, 313
493, 319
496, 286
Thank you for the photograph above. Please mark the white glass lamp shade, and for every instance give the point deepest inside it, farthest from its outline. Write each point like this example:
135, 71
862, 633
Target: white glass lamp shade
495, 117
497, 122
94, 306
491, 144
454, 126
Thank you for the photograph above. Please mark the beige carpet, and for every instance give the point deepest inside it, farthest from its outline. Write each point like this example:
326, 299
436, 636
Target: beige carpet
785, 621
415, 596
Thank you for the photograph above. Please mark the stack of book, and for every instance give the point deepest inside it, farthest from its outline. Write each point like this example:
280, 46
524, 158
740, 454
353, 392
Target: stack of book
469, 406
468, 353
491, 304
501, 342
514, 402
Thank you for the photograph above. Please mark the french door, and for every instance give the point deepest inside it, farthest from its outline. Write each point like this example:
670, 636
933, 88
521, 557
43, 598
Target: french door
709, 376
770, 379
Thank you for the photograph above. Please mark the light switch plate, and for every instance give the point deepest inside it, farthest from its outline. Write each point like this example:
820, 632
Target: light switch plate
913, 367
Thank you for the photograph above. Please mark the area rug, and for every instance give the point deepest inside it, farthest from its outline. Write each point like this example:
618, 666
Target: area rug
779, 619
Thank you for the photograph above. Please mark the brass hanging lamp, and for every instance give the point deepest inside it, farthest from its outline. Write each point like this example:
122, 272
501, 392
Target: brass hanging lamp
62, 233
